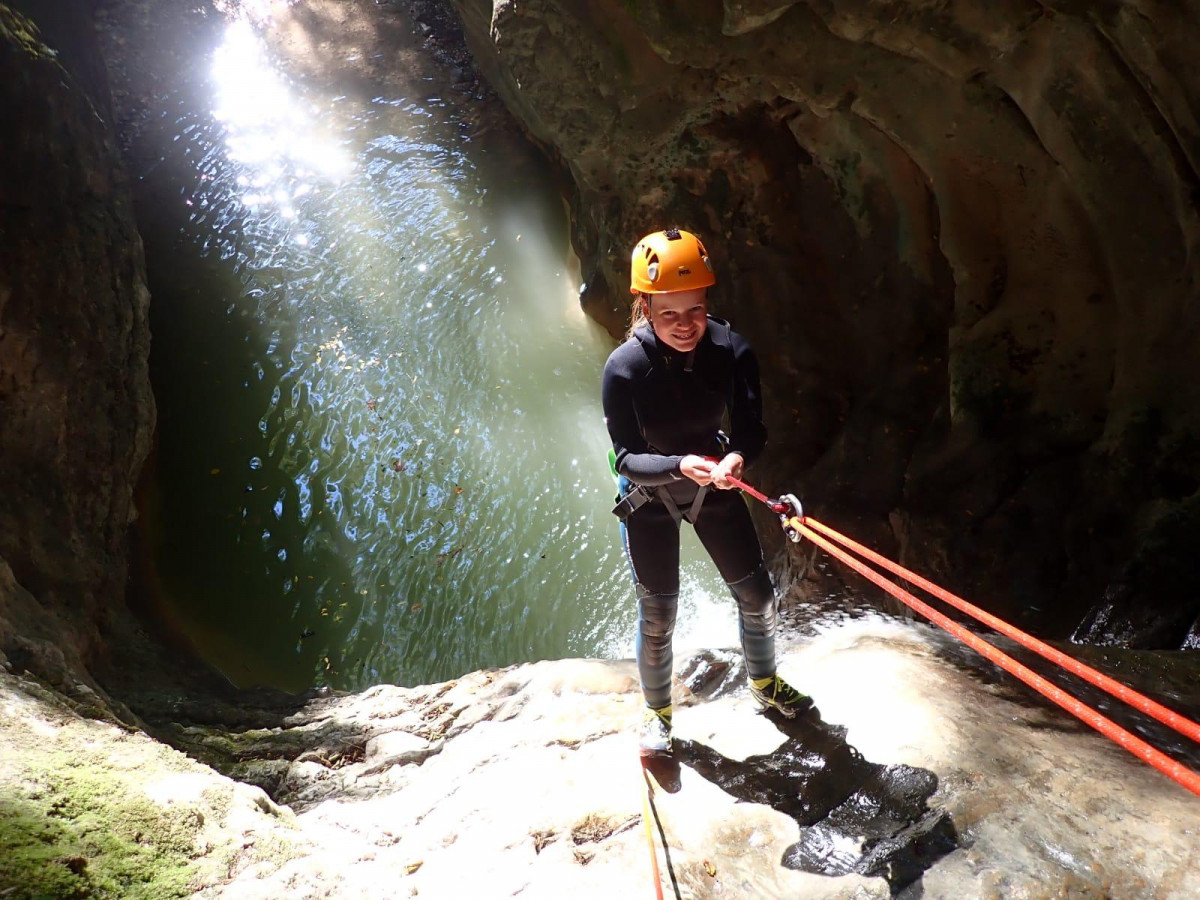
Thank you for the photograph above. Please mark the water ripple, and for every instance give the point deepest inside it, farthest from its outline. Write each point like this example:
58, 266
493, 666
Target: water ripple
380, 438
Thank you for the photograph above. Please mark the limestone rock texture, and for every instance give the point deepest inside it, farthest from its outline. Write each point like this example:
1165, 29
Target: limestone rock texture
920, 776
89, 808
962, 238
76, 412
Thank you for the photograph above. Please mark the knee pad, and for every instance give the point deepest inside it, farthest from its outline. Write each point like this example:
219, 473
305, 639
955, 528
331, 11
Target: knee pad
656, 613
754, 594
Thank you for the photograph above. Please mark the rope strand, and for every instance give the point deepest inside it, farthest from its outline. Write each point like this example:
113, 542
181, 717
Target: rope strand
1173, 769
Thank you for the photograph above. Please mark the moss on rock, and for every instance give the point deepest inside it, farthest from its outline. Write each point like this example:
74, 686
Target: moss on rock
71, 829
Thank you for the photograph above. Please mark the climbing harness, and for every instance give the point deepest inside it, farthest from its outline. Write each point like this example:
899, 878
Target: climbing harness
797, 525
639, 495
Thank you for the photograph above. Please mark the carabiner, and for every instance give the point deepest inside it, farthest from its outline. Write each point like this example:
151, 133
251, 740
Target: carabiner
789, 508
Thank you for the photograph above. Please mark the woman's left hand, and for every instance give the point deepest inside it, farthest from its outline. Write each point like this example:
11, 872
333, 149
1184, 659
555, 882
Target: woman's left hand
730, 467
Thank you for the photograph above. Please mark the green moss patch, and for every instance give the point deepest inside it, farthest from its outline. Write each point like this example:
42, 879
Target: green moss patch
70, 830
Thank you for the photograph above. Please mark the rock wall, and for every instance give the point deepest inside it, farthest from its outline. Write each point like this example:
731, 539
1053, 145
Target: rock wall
962, 237
76, 412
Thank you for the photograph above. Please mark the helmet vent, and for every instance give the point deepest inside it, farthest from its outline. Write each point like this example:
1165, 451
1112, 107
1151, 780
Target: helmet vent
667, 261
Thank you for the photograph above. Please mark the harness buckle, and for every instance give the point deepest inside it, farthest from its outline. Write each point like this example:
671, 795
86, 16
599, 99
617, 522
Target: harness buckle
633, 500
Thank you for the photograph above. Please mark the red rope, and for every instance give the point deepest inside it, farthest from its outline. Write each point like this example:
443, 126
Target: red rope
756, 494
1110, 729
1087, 673
1135, 745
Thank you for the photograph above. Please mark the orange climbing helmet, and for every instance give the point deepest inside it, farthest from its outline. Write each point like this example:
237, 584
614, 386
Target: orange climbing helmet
670, 260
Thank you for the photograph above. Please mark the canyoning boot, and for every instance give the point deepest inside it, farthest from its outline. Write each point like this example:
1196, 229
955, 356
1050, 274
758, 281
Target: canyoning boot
775, 693
654, 736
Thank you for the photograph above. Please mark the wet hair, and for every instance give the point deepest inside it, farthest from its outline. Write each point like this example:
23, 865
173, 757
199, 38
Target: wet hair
637, 312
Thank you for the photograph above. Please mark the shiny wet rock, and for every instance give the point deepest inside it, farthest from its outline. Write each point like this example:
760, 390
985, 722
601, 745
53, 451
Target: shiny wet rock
855, 816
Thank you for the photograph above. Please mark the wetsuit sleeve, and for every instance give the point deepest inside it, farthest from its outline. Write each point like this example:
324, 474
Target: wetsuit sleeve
634, 458
748, 434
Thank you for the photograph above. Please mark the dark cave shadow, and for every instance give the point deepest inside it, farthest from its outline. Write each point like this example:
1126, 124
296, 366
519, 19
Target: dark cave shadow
854, 815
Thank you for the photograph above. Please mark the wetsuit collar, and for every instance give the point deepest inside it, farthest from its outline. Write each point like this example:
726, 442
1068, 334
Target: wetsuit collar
659, 349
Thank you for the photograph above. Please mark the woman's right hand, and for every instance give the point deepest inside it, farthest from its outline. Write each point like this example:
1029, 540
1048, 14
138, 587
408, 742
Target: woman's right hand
697, 468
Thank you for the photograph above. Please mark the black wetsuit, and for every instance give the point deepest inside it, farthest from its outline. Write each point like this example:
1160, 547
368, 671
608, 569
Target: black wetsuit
660, 405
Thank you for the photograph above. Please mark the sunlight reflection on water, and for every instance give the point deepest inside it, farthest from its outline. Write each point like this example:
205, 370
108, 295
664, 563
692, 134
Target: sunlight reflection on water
381, 452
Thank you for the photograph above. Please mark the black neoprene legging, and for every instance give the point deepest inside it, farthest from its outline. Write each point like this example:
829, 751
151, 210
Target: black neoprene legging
651, 539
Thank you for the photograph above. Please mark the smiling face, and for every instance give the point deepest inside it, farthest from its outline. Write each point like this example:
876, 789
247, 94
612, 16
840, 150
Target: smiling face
679, 318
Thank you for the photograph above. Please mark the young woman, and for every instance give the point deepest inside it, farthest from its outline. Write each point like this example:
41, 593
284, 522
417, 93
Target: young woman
666, 391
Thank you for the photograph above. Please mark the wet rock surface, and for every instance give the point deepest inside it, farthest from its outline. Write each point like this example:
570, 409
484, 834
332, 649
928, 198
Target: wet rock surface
854, 815
919, 776
961, 239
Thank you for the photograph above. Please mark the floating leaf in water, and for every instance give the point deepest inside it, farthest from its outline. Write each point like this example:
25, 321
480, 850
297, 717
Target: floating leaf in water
412, 867
416, 607
457, 430
372, 403
710, 868
457, 489
398, 466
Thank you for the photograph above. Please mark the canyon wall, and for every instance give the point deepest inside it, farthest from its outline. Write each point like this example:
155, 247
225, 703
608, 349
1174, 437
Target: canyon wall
76, 412
962, 238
